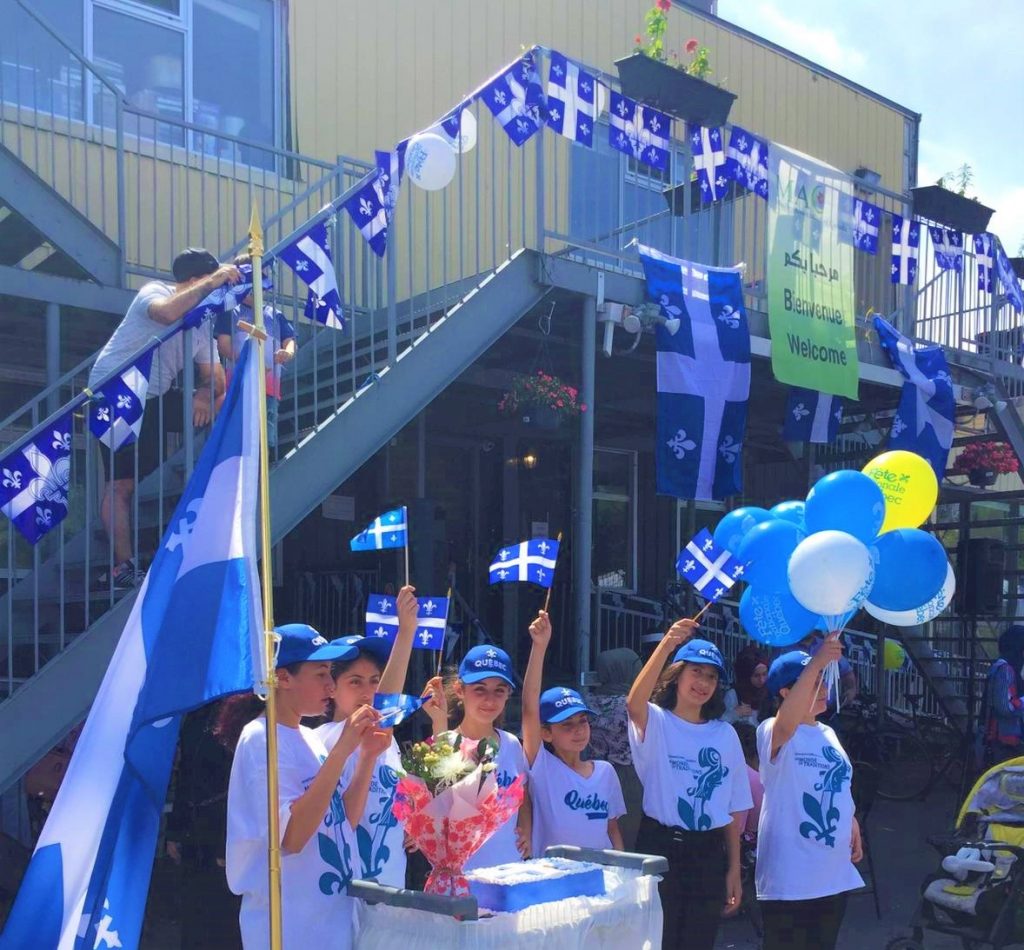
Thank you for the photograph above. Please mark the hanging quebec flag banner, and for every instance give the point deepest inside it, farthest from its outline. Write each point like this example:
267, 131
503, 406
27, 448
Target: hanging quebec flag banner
310, 257
115, 412
516, 99
639, 131
573, 101
194, 634
811, 416
703, 377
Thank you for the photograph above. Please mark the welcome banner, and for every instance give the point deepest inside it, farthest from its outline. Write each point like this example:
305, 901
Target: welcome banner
810, 275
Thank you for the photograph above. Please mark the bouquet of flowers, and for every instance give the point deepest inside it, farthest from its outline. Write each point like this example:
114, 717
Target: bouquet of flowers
450, 803
541, 390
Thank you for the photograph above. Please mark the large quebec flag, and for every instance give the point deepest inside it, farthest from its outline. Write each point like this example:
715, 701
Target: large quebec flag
192, 637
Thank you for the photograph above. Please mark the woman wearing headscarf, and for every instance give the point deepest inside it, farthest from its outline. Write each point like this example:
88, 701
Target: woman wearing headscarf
744, 700
609, 731
1004, 698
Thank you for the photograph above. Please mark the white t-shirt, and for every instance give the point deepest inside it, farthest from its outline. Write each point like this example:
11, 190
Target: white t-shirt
501, 848
315, 908
571, 809
694, 775
730, 715
803, 837
379, 835
137, 329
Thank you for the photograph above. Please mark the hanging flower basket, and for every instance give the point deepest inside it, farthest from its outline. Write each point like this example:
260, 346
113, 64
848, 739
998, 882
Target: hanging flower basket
982, 477
947, 207
983, 462
541, 399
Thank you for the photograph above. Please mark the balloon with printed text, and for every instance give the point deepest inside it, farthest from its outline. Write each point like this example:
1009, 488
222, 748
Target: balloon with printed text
909, 485
774, 617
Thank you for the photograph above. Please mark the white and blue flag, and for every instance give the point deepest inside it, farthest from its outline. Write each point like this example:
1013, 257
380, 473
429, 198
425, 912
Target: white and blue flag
925, 418
116, 408
639, 131
983, 254
395, 708
389, 530
811, 416
572, 100
431, 620
949, 248
710, 569
516, 99
310, 257
709, 162
34, 480
747, 161
906, 239
390, 169
222, 299
532, 561
858, 223
194, 635
1007, 276
450, 127
703, 377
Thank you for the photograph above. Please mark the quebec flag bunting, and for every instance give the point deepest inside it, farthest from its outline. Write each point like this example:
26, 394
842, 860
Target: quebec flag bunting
1008, 277
532, 561
516, 100
747, 161
194, 634
115, 411
310, 258
223, 298
449, 127
712, 570
710, 164
572, 100
858, 223
389, 530
639, 131
811, 416
432, 618
35, 478
983, 254
906, 239
949, 248
924, 420
703, 377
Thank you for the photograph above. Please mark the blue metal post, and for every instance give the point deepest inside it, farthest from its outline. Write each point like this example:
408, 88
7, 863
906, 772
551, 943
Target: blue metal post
584, 531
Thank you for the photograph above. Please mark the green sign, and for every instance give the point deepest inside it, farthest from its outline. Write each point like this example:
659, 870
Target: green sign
810, 275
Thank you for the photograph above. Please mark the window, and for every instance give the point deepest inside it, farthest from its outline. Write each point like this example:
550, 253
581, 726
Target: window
613, 557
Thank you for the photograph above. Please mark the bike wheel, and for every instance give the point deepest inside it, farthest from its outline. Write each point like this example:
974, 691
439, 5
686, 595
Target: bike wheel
904, 765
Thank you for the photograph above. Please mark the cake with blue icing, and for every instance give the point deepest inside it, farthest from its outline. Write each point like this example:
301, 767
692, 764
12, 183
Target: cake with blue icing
512, 887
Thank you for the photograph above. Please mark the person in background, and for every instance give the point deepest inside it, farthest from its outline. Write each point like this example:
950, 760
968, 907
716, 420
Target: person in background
1004, 699
278, 349
747, 694
748, 740
155, 307
609, 732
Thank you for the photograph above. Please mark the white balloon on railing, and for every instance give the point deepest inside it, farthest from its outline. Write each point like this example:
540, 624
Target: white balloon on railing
429, 161
465, 141
829, 571
918, 615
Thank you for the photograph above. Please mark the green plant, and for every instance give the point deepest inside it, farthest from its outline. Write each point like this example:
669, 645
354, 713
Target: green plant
957, 181
443, 760
652, 43
541, 390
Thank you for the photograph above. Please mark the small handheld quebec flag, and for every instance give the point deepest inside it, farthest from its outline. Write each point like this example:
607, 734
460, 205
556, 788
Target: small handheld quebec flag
712, 570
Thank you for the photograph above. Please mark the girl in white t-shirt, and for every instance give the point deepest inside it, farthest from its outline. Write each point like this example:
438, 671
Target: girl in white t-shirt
696, 792
316, 837
808, 837
371, 780
575, 802
478, 697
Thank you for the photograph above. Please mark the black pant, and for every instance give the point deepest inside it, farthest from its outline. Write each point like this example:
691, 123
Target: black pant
693, 890
802, 925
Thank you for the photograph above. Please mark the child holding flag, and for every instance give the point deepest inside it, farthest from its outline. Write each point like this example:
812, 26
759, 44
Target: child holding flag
696, 791
575, 802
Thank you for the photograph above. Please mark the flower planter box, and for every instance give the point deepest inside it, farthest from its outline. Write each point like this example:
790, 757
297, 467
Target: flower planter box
674, 197
673, 91
955, 211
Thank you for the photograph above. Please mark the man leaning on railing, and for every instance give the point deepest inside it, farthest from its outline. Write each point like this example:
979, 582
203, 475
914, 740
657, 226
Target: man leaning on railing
158, 305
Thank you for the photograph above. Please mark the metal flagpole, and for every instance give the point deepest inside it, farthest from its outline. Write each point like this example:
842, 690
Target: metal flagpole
259, 337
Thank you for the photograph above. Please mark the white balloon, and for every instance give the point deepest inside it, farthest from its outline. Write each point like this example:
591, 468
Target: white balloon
830, 573
429, 161
466, 139
918, 615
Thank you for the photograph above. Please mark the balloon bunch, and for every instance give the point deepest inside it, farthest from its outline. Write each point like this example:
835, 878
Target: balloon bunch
854, 542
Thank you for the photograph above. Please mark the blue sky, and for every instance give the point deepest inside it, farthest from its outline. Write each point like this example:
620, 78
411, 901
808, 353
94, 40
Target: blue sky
959, 64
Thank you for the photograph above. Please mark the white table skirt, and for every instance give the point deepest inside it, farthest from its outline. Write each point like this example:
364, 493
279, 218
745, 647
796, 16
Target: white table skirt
628, 915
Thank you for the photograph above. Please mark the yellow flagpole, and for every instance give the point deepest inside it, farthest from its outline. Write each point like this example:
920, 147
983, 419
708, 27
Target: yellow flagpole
259, 337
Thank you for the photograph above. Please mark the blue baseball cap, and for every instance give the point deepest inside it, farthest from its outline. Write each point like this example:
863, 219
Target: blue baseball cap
485, 661
559, 703
700, 651
301, 643
786, 669
378, 647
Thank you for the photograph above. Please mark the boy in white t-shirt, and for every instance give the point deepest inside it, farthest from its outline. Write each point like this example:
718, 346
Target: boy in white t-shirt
317, 841
575, 801
808, 837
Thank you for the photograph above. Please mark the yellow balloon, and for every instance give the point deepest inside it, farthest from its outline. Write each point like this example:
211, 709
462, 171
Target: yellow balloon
909, 485
894, 655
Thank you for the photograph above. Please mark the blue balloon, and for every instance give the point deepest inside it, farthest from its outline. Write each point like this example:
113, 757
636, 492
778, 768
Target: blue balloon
846, 501
733, 527
910, 569
766, 550
774, 617
790, 511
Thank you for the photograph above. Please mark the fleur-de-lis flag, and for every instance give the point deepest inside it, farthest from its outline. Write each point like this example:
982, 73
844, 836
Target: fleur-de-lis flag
516, 99
310, 257
116, 409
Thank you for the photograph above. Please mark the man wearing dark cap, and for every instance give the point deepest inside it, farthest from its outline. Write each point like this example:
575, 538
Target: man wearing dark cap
156, 306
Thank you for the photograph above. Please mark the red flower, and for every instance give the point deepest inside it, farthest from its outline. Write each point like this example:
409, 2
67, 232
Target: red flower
583, 407
691, 46
638, 39
664, 5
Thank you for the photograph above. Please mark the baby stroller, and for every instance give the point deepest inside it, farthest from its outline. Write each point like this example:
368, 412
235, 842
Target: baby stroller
978, 895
